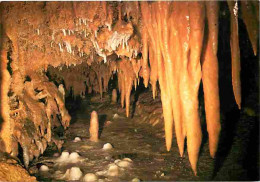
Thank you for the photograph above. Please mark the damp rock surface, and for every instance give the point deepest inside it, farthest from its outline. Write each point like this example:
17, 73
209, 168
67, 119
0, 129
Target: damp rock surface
10, 170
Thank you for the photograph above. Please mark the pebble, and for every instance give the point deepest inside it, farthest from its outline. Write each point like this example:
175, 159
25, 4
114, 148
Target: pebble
74, 157
75, 173
101, 173
127, 159
135, 180
249, 111
107, 146
107, 123
124, 164
117, 160
115, 116
113, 170
44, 168
108, 157
90, 177
77, 139
56, 154
86, 147
64, 157
59, 175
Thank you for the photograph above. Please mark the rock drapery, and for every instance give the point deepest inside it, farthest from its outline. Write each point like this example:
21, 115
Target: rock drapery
83, 44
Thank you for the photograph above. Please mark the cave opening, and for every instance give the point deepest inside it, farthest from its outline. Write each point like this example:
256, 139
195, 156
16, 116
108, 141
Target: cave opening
129, 91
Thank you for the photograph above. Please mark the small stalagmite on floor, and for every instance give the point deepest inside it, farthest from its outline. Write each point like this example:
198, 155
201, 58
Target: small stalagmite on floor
94, 125
114, 96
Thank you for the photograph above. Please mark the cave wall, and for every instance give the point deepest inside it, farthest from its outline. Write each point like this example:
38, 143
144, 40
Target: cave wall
81, 45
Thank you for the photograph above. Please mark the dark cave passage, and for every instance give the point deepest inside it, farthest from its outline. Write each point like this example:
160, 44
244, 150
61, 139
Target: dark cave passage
140, 138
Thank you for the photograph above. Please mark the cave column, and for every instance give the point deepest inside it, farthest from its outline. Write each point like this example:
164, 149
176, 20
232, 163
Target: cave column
6, 128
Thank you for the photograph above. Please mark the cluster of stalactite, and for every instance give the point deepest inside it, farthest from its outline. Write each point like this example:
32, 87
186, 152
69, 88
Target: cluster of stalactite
72, 78
181, 39
82, 44
82, 79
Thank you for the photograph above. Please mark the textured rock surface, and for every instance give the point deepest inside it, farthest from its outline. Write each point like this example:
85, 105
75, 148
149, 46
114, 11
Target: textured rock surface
11, 170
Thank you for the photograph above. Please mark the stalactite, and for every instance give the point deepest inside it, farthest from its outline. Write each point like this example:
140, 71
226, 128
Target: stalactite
190, 87
176, 100
166, 103
136, 64
250, 16
185, 30
126, 78
210, 76
145, 67
121, 85
100, 85
154, 73
235, 51
163, 41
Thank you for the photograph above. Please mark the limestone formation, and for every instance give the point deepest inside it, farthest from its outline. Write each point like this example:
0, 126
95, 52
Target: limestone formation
94, 127
83, 45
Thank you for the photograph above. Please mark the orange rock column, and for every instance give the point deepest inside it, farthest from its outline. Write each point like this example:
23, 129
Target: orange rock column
94, 127
6, 125
114, 96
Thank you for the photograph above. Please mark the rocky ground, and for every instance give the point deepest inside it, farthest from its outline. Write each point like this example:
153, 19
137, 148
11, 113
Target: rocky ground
138, 142
12, 170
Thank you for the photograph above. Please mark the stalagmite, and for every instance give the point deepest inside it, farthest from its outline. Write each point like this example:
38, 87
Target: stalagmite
210, 76
114, 96
94, 127
235, 51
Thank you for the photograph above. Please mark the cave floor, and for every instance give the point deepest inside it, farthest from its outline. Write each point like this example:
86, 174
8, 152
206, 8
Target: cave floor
142, 143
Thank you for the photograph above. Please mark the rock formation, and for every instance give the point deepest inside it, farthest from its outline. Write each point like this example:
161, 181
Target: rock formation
83, 44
